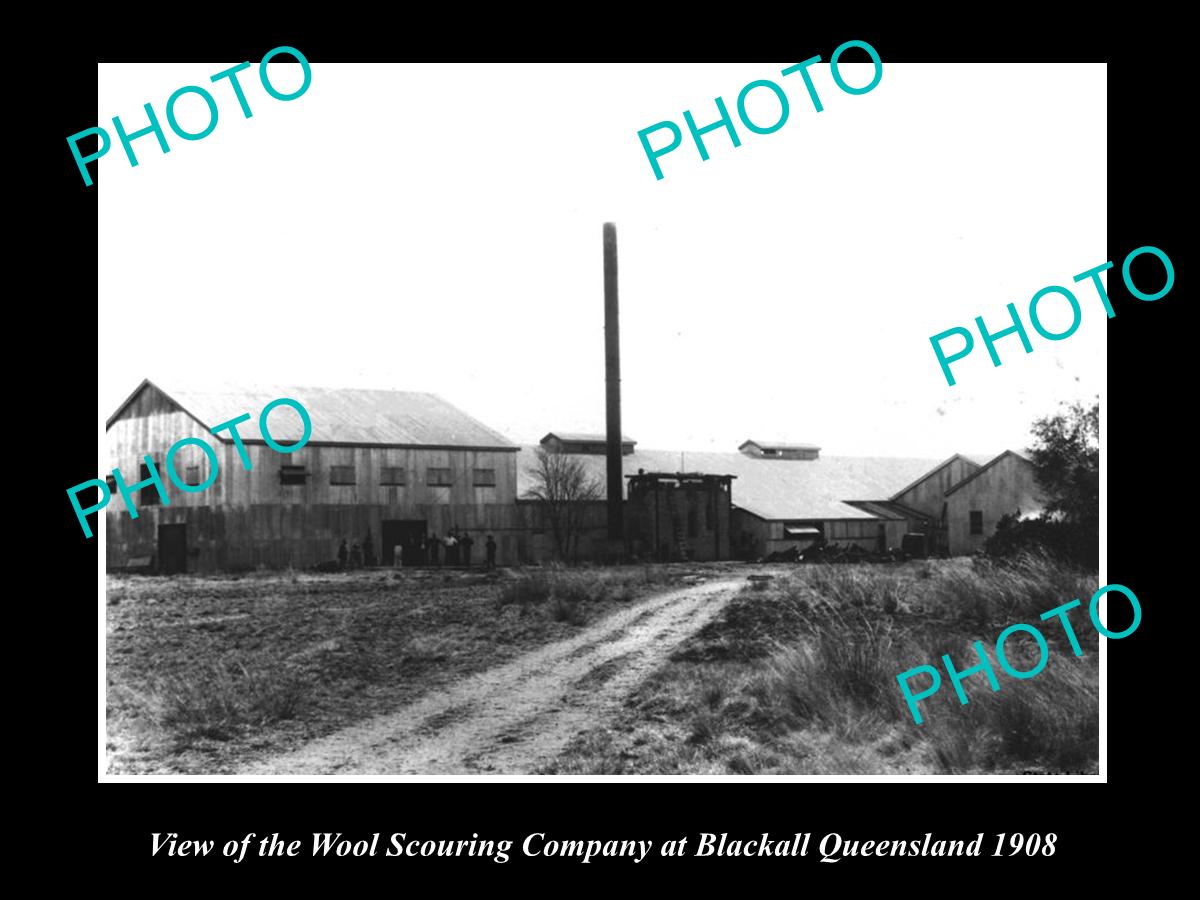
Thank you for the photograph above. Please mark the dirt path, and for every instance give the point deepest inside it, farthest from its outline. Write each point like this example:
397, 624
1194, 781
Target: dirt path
515, 717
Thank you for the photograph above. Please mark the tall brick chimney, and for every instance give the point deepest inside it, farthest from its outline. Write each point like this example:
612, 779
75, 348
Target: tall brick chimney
612, 380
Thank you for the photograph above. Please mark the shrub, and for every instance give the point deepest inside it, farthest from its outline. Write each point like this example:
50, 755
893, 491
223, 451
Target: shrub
565, 610
712, 694
1000, 593
1074, 543
1050, 721
705, 727
218, 700
836, 659
527, 589
578, 585
842, 671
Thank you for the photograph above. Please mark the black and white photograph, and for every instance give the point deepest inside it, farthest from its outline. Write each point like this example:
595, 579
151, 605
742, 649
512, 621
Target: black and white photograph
553, 422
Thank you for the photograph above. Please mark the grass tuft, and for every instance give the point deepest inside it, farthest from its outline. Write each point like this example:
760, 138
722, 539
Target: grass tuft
218, 701
798, 675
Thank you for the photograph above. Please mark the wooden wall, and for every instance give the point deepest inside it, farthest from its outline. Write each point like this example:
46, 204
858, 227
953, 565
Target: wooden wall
275, 536
129, 440
1005, 487
766, 537
660, 512
247, 519
929, 494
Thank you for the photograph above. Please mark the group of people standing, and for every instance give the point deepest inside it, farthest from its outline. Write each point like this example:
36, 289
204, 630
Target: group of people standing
454, 548
358, 555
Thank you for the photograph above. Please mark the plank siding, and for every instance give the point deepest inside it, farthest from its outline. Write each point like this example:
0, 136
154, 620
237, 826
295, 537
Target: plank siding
1006, 486
755, 538
929, 493
249, 519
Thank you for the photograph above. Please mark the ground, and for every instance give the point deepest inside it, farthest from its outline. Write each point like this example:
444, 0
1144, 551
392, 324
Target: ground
217, 674
683, 669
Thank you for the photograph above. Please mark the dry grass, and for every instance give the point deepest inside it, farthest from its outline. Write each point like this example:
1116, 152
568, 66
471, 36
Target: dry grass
218, 700
571, 594
206, 674
800, 677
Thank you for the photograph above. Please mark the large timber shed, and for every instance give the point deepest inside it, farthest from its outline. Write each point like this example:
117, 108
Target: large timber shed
1006, 485
381, 466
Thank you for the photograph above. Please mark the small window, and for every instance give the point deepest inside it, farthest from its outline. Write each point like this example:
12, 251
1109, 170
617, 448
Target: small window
293, 475
192, 478
438, 477
485, 478
341, 475
147, 496
976, 521
392, 475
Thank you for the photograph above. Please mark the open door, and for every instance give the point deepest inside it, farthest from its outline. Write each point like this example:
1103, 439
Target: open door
172, 549
406, 533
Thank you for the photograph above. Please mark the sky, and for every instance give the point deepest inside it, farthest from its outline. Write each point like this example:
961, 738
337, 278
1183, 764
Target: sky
438, 228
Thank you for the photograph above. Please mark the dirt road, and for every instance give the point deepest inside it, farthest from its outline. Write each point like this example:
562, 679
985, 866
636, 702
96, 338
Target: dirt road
515, 717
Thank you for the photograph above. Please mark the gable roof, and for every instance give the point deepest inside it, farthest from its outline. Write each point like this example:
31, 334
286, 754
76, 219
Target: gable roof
776, 445
339, 416
814, 489
575, 437
934, 471
1020, 456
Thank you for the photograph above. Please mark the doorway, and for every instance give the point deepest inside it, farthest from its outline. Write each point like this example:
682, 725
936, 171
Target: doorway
407, 533
172, 549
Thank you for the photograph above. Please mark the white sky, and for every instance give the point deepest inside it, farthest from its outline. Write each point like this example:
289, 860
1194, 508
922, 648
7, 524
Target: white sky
438, 228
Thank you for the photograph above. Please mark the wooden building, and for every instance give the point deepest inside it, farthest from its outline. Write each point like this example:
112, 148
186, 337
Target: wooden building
590, 444
974, 505
788, 495
925, 498
383, 466
678, 516
783, 495
391, 467
776, 450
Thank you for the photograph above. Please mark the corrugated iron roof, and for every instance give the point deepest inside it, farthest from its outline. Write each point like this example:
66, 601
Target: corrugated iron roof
576, 437
934, 471
978, 458
341, 416
776, 445
809, 489
1020, 456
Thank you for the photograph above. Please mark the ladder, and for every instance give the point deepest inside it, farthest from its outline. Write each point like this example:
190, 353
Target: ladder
681, 544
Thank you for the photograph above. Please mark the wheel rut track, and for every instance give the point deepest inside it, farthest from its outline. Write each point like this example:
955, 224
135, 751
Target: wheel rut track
520, 715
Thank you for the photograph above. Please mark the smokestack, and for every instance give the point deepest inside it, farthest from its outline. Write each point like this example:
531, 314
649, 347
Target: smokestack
612, 379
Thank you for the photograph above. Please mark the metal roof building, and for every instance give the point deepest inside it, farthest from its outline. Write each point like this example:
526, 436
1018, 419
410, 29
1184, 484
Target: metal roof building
786, 494
813, 489
348, 416
381, 468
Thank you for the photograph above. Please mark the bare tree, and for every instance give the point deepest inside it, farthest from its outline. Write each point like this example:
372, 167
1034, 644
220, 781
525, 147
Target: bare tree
563, 485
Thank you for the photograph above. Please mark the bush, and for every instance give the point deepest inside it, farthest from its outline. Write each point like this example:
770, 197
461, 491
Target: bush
527, 589
219, 700
1071, 542
844, 669
835, 667
1051, 721
1000, 593
578, 585
568, 611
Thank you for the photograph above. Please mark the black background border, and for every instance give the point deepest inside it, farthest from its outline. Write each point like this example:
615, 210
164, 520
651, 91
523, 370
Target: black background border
1145, 399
